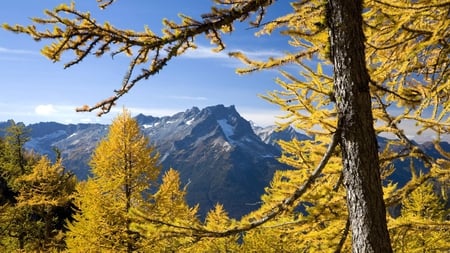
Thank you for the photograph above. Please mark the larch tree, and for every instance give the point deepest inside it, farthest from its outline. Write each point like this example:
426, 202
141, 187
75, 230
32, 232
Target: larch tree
167, 204
124, 165
217, 219
422, 225
372, 58
17, 228
48, 193
16, 160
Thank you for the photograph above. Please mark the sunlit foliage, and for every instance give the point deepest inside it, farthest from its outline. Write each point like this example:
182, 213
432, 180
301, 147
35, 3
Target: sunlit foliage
406, 55
123, 166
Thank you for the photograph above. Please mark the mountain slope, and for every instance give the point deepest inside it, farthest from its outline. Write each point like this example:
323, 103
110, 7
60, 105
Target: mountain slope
216, 151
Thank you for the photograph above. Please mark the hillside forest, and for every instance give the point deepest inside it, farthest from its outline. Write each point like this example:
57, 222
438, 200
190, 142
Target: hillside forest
377, 64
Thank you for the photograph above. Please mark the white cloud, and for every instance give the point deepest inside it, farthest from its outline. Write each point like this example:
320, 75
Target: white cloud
8, 54
204, 52
4, 50
208, 53
45, 110
260, 55
86, 120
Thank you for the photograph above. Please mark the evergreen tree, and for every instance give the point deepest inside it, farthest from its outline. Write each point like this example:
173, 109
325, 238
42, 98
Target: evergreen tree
123, 166
167, 204
18, 225
48, 192
16, 161
7, 195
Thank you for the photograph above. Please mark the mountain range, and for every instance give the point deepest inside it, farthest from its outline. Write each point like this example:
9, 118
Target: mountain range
221, 157
216, 151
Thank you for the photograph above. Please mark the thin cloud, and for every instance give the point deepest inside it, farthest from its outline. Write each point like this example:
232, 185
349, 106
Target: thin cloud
260, 54
203, 52
4, 50
206, 52
18, 55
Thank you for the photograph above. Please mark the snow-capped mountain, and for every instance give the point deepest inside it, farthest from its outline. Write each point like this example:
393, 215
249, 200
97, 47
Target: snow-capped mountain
221, 157
215, 150
271, 135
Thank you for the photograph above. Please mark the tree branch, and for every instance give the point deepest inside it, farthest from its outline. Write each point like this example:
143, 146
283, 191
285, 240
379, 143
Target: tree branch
343, 237
82, 34
279, 208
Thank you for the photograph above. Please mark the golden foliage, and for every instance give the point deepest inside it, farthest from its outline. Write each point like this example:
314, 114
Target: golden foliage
123, 167
165, 221
422, 225
407, 59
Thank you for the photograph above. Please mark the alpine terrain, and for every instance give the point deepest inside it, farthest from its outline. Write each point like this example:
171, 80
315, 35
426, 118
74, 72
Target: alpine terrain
221, 157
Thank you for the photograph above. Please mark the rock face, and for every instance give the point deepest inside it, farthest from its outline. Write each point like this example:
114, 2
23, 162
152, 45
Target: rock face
221, 157
217, 154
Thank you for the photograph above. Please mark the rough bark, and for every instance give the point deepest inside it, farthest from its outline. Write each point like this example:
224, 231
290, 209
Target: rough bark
358, 142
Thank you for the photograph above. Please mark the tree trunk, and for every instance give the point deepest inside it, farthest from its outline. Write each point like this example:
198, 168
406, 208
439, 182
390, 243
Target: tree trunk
361, 170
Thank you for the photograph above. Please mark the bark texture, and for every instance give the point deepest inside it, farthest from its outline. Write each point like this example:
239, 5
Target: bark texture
361, 169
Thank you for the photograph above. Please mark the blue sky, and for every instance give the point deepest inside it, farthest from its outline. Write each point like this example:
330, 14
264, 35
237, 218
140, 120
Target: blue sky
35, 89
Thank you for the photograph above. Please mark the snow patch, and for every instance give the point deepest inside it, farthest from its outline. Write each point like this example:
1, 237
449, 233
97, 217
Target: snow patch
146, 126
227, 147
189, 122
34, 143
227, 129
164, 157
72, 135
